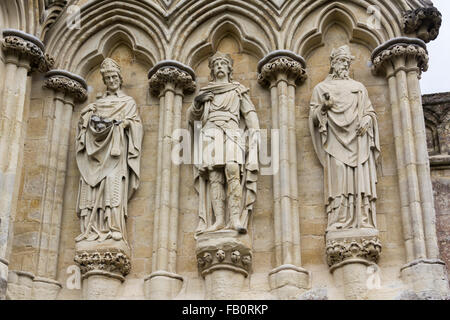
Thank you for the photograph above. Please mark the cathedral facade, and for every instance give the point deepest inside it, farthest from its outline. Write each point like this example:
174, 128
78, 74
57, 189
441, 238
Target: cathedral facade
328, 176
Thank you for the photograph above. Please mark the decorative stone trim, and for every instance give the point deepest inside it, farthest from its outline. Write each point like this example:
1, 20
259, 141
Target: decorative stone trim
106, 260
173, 72
400, 47
285, 62
339, 251
68, 83
235, 259
20, 43
425, 22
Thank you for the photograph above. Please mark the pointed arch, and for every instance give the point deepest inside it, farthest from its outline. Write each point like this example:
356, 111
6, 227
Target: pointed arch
342, 15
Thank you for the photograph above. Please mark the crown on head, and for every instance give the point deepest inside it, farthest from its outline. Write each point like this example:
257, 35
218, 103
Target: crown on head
219, 55
109, 65
342, 51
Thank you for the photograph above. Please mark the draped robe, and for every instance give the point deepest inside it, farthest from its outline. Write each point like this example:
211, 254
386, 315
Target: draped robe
226, 114
109, 164
349, 160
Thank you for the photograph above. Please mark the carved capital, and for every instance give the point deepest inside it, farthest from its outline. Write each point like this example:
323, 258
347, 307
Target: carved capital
68, 83
113, 261
400, 47
281, 62
339, 251
171, 72
424, 22
238, 259
23, 45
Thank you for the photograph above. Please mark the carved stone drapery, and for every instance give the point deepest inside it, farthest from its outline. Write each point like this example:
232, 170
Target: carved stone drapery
402, 61
281, 71
169, 80
424, 22
23, 54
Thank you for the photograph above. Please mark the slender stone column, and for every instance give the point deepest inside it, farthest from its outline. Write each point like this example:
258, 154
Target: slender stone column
169, 80
68, 89
402, 60
23, 54
281, 71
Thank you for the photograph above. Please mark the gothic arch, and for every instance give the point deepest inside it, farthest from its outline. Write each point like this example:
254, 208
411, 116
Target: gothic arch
190, 36
226, 26
103, 22
330, 15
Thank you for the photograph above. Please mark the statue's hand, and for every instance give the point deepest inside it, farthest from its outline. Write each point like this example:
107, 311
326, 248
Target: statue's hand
126, 124
364, 126
204, 97
328, 104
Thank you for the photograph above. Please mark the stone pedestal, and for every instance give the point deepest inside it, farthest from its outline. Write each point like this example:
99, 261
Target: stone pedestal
224, 260
349, 254
104, 266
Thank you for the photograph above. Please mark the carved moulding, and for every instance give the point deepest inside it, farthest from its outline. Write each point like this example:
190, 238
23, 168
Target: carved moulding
425, 22
400, 47
68, 83
281, 62
173, 72
16, 42
113, 262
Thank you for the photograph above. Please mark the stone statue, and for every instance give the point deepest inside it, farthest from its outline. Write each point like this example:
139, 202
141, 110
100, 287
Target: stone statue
344, 129
226, 182
108, 152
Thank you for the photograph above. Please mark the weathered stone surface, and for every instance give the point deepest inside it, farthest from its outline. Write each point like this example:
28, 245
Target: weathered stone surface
39, 115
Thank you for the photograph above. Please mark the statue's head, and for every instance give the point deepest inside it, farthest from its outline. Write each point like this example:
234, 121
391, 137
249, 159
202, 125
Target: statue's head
111, 74
221, 66
341, 59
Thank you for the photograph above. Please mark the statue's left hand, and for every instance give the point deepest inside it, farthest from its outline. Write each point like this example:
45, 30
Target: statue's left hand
126, 124
364, 126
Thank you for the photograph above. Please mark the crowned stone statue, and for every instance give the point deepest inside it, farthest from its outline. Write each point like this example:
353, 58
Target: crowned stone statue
108, 153
344, 129
226, 169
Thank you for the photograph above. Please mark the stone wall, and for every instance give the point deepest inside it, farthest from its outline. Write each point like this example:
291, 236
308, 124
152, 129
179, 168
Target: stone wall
437, 119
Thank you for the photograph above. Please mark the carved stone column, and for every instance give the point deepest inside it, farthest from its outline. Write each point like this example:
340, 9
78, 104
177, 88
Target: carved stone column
169, 80
67, 89
423, 23
281, 71
23, 54
402, 61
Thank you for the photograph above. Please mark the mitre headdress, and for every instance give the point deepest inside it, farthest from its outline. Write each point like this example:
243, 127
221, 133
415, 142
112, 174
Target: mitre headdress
109, 65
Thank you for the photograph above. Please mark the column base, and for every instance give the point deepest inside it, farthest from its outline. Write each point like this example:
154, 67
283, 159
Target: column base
224, 260
427, 278
3, 278
45, 289
162, 285
101, 285
288, 282
20, 285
